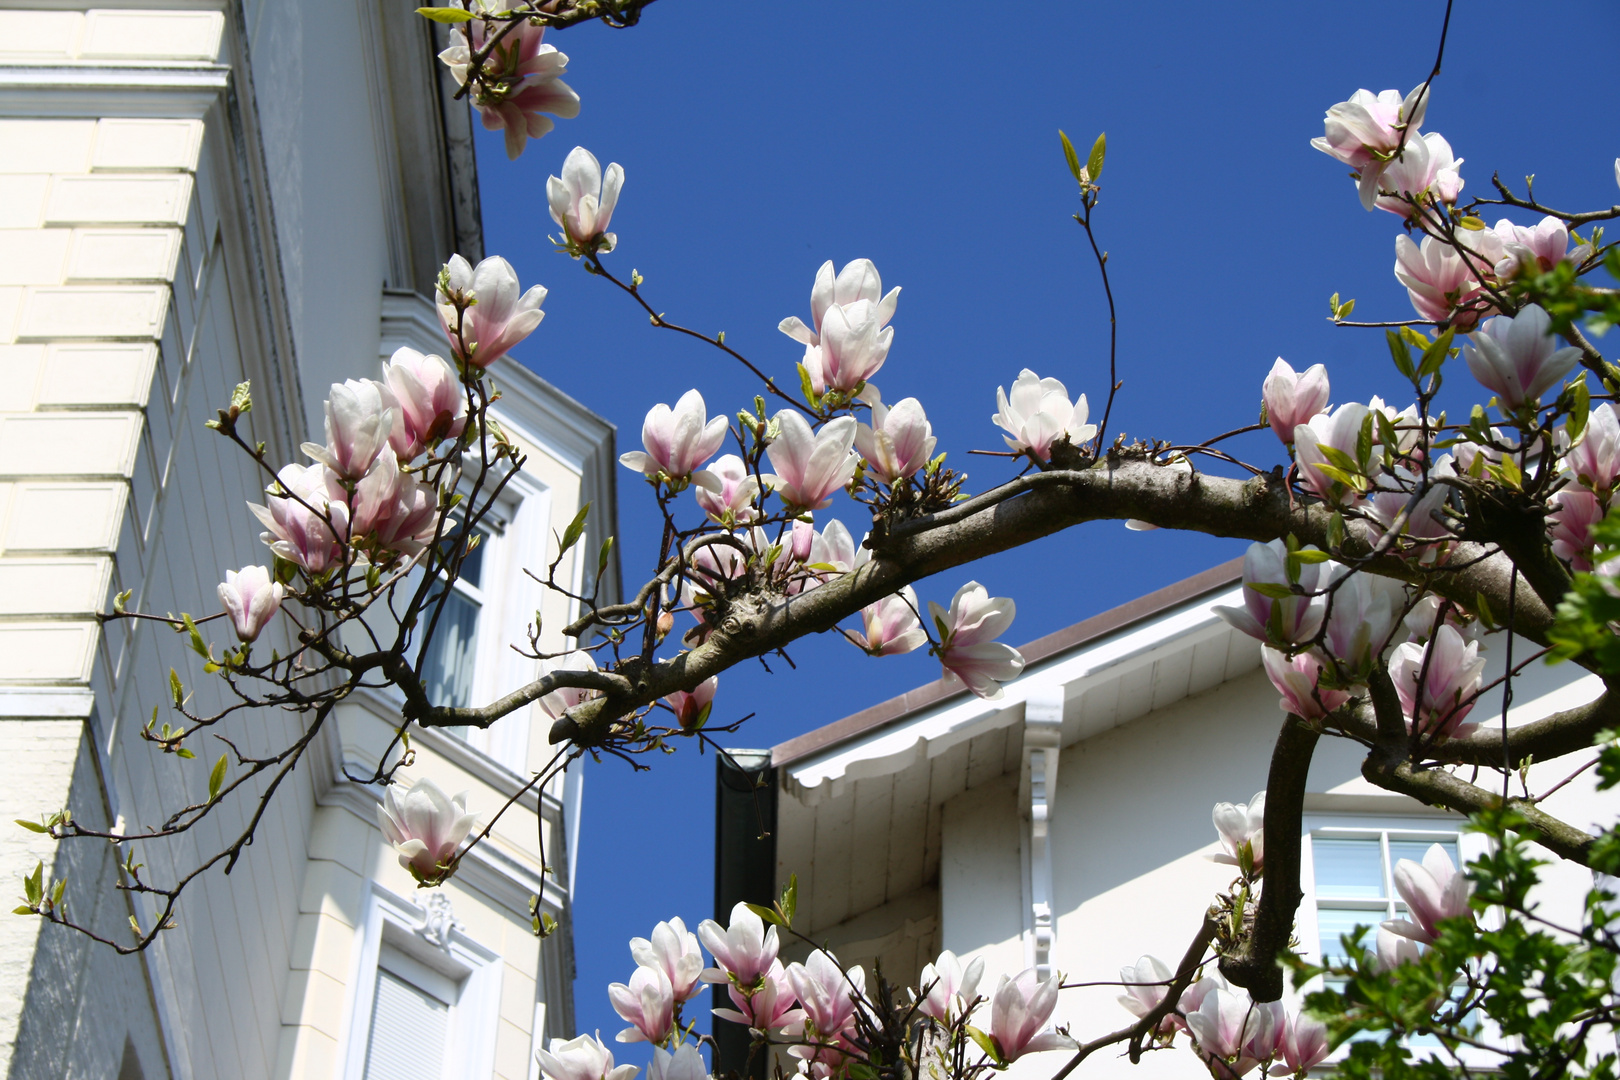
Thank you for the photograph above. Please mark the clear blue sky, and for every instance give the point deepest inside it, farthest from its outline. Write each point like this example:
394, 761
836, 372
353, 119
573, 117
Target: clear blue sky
759, 140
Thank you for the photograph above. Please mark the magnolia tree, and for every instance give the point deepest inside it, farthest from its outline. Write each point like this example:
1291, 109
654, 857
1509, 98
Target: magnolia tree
1397, 548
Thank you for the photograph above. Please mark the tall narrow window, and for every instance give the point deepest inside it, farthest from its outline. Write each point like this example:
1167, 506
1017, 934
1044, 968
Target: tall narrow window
451, 662
1355, 884
410, 1019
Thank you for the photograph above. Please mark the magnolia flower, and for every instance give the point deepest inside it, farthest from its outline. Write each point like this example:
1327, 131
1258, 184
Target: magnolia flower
1224, 1023
966, 648
1433, 890
730, 499
1019, 1008
296, 529
686, 1063
648, 1002
811, 465
1575, 514
425, 826
1295, 619
1146, 985
1291, 399
582, 1058
1393, 950
1438, 281
1420, 622
891, 625
744, 952
691, 709
672, 949
1408, 425
496, 316
1264, 1032
1297, 678
949, 987
854, 344
1365, 131
834, 547
1392, 495
1518, 358
525, 75
251, 599
678, 441
898, 442
1303, 1044
560, 700
582, 200
1242, 831
1425, 169
1451, 678
1037, 414
827, 993
431, 403
771, 1007
1340, 430
1361, 617
1536, 249
1595, 459
398, 511
1193, 997
359, 419
858, 280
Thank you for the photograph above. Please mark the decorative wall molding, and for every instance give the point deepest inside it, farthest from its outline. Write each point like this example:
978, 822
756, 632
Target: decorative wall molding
1043, 739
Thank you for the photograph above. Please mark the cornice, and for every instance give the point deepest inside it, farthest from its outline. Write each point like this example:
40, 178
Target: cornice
94, 90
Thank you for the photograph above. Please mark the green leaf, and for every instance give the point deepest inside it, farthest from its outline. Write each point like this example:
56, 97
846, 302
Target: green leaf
1094, 163
197, 645
1070, 156
790, 895
1482, 609
33, 888
768, 914
242, 397
1347, 308
1364, 443
445, 14
1335, 531
23, 909
1400, 354
1348, 479
1436, 354
1471, 223
1270, 589
1339, 459
177, 689
1310, 555
33, 826
986, 1043
216, 778
1580, 407
808, 388
602, 557
183, 752
575, 530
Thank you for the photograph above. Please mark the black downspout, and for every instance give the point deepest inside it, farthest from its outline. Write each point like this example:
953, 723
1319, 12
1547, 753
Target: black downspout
744, 871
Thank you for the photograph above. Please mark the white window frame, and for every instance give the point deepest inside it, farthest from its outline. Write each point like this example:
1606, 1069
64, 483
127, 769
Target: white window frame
473, 968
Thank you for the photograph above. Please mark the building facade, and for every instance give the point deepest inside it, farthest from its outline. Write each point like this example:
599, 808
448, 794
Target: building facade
194, 195
1066, 827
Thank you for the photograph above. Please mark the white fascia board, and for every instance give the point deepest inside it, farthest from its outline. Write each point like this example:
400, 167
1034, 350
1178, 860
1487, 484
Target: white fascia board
95, 90
929, 733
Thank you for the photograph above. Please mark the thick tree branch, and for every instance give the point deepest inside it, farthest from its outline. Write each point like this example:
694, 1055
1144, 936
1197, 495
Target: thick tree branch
1550, 737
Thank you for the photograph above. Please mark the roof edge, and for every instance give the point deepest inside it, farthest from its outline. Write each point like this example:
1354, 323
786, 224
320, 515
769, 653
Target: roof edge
1035, 652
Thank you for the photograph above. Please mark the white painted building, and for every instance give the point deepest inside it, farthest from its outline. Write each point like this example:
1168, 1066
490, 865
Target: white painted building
1067, 826
189, 198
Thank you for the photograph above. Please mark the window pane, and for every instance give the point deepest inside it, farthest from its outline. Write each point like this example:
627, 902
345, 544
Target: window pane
1333, 923
1416, 849
1348, 868
447, 673
408, 1029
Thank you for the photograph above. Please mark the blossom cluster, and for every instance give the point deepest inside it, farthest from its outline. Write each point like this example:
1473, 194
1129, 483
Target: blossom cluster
515, 76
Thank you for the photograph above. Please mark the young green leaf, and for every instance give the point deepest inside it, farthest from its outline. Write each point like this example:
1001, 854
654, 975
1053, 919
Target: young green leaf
33, 826
177, 690
575, 530
1399, 352
1094, 163
445, 14
1070, 156
216, 778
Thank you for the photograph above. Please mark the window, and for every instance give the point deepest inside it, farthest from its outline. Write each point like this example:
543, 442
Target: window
1354, 879
450, 665
410, 1019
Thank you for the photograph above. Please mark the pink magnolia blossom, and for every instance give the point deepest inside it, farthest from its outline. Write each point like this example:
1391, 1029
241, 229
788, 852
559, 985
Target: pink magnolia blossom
1438, 280
898, 442
1292, 398
891, 625
1296, 618
801, 540
296, 530
1019, 1009
827, 993
359, 418
1297, 678
1392, 950
1365, 131
811, 465
526, 76
858, 280
1265, 1033
583, 198
647, 1002
582, 1058
1433, 890
251, 599
1224, 1024
1450, 681
771, 1007
1425, 169
1037, 414
950, 986
1303, 1045
833, 546
730, 502
1340, 430
1193, 997
560, 700
497, 316
672, 949
1420, 621
679, 441
1242, 830
1595, 459
425, 826
854, 344
692, 709
1392, 495
1146, 985
1536, 249
432, 404
686, 1063
1517, 357
966, 648
1575, 513
395, 509
1361, 617
1407, 423
744, 952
